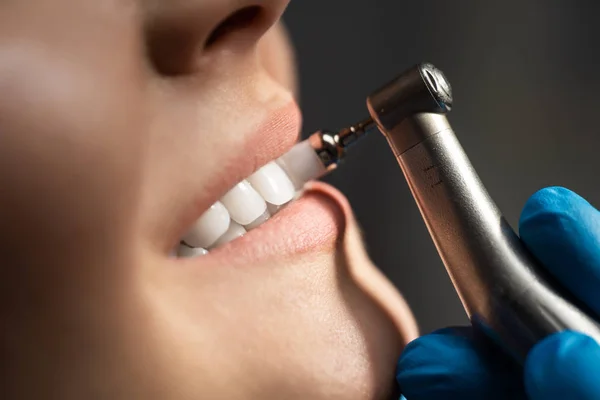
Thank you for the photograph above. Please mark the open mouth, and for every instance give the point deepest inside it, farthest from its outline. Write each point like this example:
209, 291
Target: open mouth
251, 202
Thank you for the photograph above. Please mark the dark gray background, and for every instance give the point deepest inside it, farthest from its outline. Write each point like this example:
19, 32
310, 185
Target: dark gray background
526, 82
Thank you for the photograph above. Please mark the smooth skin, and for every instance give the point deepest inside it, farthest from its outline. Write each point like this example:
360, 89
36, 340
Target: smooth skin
562, 230
117, 117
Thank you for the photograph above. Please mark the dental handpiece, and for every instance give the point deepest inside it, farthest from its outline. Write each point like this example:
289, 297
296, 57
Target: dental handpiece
502, 288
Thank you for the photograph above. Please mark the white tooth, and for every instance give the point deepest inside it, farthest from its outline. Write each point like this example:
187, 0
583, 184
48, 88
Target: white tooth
258, 222
235, 231
272, 183
244, 203
189, 252
209, 227
302, 164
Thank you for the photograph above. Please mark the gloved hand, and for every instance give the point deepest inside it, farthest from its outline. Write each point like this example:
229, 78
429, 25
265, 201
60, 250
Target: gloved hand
562, 230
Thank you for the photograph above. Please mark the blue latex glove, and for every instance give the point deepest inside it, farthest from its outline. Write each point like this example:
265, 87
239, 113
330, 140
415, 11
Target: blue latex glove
562, 230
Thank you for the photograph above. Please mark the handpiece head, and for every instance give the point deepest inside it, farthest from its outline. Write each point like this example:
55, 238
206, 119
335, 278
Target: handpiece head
421, 90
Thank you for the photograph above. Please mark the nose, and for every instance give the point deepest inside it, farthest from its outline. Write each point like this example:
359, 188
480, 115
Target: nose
179, 32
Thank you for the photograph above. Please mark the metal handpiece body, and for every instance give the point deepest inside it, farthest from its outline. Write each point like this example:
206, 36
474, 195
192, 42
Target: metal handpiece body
500, 284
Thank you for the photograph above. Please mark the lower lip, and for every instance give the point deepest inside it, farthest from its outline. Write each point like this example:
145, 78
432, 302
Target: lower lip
312, 223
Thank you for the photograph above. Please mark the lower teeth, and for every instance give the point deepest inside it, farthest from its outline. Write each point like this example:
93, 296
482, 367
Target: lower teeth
235, 231
190, 252
258, 221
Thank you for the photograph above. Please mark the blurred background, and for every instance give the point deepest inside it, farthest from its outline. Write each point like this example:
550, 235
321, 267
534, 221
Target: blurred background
525, 80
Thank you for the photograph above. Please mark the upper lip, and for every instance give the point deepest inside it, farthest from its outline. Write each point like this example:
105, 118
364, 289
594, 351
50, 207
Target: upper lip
275, 136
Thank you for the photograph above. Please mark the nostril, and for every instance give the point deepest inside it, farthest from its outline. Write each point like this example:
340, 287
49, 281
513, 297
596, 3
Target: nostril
171, 48
174, 41
240, 21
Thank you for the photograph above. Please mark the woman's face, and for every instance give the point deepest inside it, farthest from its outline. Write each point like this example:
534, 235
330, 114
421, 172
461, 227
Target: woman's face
121, 123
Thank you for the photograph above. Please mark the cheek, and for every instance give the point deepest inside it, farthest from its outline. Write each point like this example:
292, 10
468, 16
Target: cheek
278, 57
70, 146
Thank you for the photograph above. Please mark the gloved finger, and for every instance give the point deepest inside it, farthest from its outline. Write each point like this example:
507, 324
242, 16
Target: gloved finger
564, 366
562, 230
455, 364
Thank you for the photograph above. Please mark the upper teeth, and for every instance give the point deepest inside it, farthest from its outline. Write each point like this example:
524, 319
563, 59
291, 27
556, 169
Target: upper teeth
244, 203
273, 184
254, 200
249, 204
209, 227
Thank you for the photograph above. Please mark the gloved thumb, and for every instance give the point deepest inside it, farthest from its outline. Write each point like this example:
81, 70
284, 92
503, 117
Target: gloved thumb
564, 366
